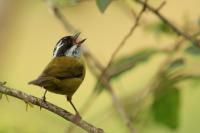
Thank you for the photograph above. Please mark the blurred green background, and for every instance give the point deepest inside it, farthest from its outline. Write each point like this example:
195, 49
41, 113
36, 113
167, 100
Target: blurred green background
28, 33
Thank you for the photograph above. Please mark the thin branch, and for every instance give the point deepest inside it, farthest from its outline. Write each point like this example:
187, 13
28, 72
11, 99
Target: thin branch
119, 107
102, 78
55, 11
90, 57
161, 6
170, 24
124, 40
50, 107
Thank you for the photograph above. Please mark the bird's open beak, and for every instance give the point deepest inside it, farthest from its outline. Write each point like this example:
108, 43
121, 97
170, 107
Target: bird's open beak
76, 40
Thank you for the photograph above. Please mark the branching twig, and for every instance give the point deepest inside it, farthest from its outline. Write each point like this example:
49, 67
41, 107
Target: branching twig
161, 6
124, 40
103, 76
51, 107
170, 24
104, 72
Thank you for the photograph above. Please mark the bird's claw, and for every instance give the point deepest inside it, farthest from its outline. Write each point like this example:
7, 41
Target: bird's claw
44, 100
77, 117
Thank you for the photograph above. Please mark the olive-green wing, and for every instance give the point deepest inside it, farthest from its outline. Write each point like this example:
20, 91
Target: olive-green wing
65, 67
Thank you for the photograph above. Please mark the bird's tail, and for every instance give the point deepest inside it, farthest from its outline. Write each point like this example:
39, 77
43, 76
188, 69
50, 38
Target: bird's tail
33, 82
41, 81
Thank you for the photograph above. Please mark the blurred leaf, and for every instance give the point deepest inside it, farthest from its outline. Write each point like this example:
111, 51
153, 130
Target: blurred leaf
183, 77
126, 63
160, 28
99, 87
103, 4
165, 108
176, 63
193, 50
1, 96
139, 56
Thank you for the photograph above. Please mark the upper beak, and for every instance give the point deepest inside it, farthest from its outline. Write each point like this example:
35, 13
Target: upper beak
76, 40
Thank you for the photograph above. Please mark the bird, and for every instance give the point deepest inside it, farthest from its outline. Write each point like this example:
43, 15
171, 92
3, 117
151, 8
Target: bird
66, 70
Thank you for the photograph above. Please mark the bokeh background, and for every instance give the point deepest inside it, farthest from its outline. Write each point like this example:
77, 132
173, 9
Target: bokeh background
28, 33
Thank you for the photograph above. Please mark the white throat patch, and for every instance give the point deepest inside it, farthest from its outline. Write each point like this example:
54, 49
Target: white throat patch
70, 51
74, 51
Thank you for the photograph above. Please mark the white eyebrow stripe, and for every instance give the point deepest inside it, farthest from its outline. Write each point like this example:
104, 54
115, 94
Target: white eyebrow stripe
58, 46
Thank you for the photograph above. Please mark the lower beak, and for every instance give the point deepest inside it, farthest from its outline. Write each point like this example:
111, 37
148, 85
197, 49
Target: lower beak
80, 42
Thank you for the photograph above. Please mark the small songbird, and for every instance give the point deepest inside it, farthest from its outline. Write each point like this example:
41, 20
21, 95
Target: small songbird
66, 71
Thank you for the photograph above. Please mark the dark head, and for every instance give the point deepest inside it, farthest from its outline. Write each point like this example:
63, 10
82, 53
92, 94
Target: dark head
68, 46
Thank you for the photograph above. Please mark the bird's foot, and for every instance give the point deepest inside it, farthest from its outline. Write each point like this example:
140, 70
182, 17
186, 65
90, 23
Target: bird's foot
44, 100
77, 117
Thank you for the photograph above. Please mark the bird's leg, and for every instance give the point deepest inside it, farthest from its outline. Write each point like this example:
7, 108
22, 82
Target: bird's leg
43, 98
69, 99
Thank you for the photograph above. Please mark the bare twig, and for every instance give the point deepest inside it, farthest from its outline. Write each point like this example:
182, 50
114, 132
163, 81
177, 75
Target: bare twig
161, 6
55, 11
117, 102
119, 107
170, 24
124, 40
90, 57
122, 43
50, 107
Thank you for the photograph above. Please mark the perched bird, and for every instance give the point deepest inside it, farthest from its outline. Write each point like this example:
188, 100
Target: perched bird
66, 71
